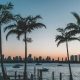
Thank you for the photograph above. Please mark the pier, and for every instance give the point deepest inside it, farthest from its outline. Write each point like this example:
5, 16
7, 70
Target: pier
40, 76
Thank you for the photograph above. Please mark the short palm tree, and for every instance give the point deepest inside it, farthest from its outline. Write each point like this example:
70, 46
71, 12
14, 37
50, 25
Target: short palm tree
65, 37
5, 17
23, 26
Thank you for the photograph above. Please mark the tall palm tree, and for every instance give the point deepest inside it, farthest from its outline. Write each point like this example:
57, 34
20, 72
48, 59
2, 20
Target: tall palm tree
65, 37
5, 17
23, 26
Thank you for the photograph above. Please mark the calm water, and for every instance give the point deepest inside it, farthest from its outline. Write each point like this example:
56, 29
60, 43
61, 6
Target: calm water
51, 66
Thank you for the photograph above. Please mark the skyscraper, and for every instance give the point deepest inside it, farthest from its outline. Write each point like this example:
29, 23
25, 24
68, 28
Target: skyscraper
79, 58
76, 58
72, 58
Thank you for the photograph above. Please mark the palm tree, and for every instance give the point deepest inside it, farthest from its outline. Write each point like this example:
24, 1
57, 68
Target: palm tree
74, 28
5, 17
24, 26
65, 37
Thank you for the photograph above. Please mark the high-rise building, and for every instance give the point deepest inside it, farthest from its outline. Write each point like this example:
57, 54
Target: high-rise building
62, 58
79, 58
66, 59
3, 56
58, 58
72, 58
76, 58
30, 58
9, 58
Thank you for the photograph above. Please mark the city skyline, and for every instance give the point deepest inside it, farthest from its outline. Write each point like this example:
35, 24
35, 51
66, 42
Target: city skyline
31, 58
55, 14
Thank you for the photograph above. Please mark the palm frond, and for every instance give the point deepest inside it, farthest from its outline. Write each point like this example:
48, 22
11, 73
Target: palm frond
37, 25
33, 26
1, 6
10, 27
9, 5
17, 17
37, 17
74, 38
14, 31
77, 17
71, 26
59, 42
59, 37
60, 29
72, 33
28, 18
20, 33
6, 17
28, 39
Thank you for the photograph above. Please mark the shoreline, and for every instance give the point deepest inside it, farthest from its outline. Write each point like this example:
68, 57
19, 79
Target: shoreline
44, 62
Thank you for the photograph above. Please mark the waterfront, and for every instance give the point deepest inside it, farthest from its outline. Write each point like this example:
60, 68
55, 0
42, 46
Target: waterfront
53, 67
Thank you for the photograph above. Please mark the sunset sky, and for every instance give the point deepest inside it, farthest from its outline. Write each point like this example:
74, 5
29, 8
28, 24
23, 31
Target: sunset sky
55, 13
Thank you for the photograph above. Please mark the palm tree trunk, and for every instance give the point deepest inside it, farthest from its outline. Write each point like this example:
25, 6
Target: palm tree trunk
3, 72
2, 66
25, 62
71, 77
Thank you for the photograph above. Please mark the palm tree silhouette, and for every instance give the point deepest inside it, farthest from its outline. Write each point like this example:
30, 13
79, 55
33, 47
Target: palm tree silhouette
74, 28
5, 17
24, 26
65, 37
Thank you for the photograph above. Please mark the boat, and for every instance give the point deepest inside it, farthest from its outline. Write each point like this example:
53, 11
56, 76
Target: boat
38, 64
59, 65
17, 66
44, 69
